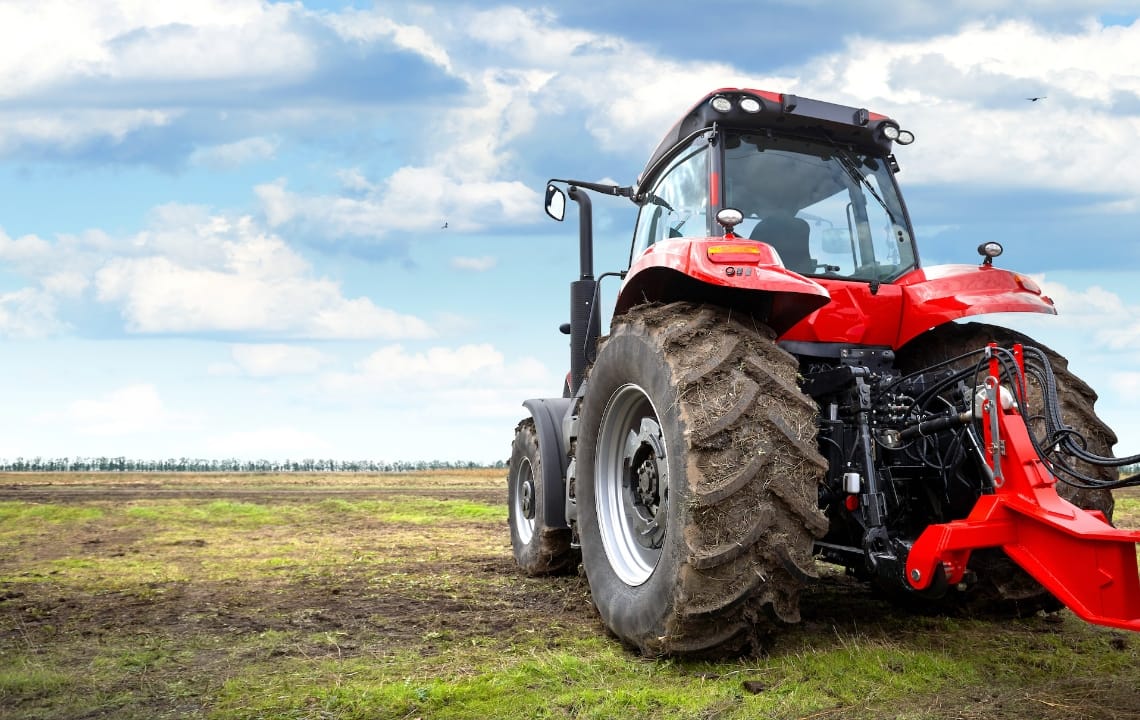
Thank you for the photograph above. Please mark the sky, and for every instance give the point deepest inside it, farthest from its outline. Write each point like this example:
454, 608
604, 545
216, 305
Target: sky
283, 230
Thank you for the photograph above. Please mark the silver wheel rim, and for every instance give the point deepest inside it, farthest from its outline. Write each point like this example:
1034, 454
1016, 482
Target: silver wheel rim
524, 501
631, 484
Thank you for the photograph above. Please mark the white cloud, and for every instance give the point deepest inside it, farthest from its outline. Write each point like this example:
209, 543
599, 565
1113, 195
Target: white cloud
354, 180
393, 364
26, 251
120, 412
278, 359
1100, 318
193, 272
459, 181
476, 264
114, 40
963, 92
261, 287
1126, 385
367, 27
28, 313
626, 95
411, 199
65, 129
477, 380
235, 154
98, 72
964, 95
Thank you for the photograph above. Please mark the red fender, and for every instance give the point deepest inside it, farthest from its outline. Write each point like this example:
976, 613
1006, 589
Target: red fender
898, 312
936, 295
726, 271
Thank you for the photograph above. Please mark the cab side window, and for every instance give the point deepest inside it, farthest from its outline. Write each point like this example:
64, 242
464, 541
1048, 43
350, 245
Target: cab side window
678, 204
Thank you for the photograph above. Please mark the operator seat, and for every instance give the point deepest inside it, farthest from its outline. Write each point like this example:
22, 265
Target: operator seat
789, 235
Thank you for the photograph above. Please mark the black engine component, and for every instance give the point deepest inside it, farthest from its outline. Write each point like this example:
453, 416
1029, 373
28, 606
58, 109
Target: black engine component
901, 452
905, 452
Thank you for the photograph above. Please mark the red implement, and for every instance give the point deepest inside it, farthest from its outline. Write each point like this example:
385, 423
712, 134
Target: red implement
1075, 554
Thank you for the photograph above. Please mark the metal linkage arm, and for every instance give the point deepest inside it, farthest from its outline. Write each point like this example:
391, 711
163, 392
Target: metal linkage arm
1075, 554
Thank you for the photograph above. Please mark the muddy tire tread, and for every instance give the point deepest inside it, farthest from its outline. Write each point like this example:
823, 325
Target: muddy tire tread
752, 480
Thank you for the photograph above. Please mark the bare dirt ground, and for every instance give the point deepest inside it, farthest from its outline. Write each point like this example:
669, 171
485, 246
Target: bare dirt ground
345, 605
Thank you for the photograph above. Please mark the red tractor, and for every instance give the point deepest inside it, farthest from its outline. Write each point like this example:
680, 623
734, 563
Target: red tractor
784, 382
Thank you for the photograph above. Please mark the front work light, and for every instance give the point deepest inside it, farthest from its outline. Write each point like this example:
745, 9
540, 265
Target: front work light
750, 105
893, 133
721, 104
989, 250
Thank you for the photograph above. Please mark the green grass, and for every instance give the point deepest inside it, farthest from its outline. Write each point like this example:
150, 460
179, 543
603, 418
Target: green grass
409, 509
23, 512
591, 677
22, 678
220, 512
417, 510
1127, 513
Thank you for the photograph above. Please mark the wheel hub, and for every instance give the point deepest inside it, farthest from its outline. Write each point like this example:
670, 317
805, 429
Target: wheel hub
646, 486
523, 504
631, 484
526, 498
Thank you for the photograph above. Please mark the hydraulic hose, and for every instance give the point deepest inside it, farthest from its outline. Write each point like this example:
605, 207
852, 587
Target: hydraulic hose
1063, 438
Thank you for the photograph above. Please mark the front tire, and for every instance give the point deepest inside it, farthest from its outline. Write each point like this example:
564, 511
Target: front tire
538, 549
697, 482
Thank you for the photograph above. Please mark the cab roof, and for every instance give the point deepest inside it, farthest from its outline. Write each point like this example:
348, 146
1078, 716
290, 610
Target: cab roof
780, 113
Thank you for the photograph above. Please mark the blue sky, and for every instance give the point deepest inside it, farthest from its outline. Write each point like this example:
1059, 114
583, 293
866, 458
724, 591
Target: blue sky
221, 221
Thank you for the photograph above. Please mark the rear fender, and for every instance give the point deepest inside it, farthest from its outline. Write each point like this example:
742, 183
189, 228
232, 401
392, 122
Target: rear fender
937, 295
548, 414
730, 272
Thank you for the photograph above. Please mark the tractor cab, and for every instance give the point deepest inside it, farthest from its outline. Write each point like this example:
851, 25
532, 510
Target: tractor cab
822, 251
828, 210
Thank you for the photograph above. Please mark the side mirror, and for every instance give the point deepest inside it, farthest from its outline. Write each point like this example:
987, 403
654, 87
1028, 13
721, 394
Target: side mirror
555, 203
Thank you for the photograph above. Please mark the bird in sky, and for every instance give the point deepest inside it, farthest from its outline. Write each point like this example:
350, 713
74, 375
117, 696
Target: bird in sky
444, 226
1035, 99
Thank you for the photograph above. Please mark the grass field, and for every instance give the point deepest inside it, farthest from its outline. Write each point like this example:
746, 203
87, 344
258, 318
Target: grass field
395, 596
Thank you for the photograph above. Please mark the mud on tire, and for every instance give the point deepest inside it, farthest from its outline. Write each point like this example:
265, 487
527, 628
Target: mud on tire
697, 482
538, 549
1003, 587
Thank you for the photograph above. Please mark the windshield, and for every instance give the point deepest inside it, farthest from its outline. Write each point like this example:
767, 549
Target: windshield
828, 211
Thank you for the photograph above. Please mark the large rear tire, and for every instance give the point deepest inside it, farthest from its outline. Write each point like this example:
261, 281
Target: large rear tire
697, 482
1002, 586
538, 549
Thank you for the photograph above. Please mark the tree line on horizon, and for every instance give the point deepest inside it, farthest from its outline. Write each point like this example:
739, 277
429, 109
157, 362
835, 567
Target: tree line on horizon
184, 464
235, 465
